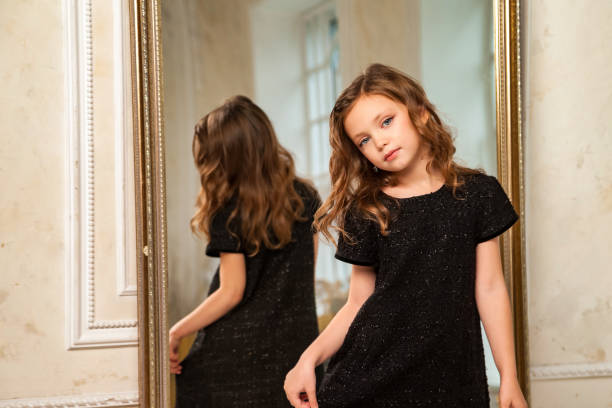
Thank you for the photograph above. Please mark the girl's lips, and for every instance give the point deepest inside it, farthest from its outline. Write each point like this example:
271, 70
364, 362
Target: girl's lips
391, 154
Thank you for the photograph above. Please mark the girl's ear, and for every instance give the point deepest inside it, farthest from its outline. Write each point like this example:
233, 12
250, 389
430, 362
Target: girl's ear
424, 116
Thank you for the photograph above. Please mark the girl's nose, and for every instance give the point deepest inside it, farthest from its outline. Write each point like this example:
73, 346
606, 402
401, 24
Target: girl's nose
380, 140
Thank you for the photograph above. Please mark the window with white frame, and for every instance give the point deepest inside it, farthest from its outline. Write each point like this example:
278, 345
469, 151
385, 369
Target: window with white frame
322, 85
322, 82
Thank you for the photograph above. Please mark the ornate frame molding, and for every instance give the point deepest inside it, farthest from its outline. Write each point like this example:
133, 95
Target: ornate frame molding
152, 263
510, 168
82, 328
124, 148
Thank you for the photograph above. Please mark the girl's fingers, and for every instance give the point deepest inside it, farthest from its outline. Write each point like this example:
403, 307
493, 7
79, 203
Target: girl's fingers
312, 398
303, 400
513, 403
175, 367
295, 400
289, 395
518, 403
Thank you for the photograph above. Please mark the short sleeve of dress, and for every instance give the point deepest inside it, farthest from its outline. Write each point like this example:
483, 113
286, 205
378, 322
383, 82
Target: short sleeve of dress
221, 239
495, 213
363, 249
311, 199
311, 207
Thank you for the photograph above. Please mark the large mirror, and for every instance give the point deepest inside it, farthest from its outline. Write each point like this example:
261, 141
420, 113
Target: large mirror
292, 58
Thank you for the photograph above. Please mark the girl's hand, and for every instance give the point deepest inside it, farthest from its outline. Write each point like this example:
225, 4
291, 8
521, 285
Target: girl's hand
510, 395
174, 341
300, 386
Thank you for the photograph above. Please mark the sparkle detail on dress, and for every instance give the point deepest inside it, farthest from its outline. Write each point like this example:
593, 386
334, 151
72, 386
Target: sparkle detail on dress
241, 360
416, 341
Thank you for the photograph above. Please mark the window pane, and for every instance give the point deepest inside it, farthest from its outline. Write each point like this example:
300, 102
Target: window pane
310, 45
314, 149
324, 96
313, 107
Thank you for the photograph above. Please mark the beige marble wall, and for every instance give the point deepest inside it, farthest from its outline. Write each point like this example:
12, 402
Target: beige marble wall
34, 360
568, 176
207, 58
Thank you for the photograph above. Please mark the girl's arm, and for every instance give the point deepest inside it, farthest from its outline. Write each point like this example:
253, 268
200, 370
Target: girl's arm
493, 305
301, 377
330, 339
232, 281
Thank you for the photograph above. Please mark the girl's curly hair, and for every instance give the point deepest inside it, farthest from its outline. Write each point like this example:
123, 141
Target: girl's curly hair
354, 183
238, 156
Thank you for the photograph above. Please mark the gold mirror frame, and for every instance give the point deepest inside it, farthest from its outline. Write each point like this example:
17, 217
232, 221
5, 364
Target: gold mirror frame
145, 26
510, 168
150, 181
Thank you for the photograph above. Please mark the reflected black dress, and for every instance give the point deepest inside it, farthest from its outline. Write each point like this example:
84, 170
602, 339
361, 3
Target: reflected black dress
416, 341
241, 360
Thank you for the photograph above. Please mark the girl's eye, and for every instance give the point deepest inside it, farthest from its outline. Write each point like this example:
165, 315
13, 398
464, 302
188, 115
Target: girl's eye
363, 141
387, 121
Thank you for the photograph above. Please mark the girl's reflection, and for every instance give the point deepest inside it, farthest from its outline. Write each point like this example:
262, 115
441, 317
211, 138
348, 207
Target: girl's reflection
260, 311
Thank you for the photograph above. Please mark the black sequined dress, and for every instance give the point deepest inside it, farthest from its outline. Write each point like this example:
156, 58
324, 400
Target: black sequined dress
241, 360
416, 341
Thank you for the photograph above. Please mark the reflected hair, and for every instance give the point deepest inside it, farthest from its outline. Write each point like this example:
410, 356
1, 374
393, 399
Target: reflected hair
239, 157
355, 186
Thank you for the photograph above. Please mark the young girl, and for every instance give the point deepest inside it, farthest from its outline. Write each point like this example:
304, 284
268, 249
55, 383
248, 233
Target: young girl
260, 311
421, 232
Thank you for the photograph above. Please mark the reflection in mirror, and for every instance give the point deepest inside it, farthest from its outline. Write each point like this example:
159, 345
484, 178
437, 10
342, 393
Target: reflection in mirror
292, 58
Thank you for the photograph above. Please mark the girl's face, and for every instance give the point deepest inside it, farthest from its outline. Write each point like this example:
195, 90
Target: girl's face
383, 132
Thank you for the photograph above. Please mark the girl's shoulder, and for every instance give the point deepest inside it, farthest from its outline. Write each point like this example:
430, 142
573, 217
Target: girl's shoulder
357, 219
477, 183
485, 192
495, 212
306, 190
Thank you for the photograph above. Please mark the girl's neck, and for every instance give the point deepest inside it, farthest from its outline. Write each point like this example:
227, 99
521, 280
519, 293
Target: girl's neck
415, 179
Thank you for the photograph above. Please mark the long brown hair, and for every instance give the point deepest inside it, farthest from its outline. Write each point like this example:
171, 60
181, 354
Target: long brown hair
239, 157
354, 183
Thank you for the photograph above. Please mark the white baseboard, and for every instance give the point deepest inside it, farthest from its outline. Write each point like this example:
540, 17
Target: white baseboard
115, 400
561, 371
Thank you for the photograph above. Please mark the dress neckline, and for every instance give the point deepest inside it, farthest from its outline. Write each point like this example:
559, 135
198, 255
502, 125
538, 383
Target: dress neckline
416, 197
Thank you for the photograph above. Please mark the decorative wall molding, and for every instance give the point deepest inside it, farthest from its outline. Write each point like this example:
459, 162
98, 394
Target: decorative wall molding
568, 371
122, 399
83, 330
124, 151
